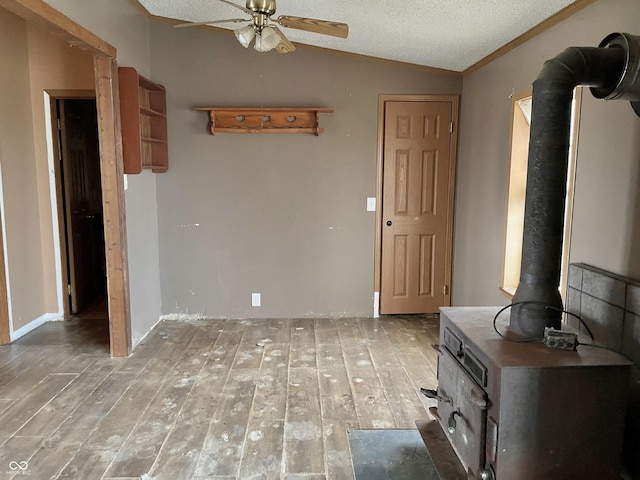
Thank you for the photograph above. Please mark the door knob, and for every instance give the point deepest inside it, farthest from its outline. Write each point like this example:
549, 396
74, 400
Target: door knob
389, 223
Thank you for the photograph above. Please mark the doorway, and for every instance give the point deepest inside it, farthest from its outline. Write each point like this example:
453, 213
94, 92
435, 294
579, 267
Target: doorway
416, 178
81, 219
42, 15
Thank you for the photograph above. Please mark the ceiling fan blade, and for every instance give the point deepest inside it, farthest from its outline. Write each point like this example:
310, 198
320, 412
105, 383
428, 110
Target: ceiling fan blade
285, 46
244, 9
325, 27
213, 22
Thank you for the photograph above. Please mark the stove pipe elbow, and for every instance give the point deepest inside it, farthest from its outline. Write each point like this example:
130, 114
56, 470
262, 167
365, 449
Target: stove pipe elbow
612, 70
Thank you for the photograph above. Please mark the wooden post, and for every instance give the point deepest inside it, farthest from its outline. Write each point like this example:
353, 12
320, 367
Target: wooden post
111, 168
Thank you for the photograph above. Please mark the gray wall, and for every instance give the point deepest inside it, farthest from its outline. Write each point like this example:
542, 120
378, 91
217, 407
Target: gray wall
606, 219
283, 215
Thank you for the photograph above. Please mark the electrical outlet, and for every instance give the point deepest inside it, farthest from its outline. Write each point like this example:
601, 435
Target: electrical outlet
255, 300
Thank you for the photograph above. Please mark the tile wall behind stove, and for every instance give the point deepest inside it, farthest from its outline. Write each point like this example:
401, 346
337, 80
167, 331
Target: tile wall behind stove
610, 305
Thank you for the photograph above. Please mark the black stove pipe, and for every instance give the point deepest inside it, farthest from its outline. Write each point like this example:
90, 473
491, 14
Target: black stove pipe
612, 71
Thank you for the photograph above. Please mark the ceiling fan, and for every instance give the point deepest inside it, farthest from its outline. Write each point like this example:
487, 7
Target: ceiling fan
267, 35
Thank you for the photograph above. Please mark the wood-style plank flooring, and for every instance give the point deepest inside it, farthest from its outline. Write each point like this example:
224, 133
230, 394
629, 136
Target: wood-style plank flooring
209, 399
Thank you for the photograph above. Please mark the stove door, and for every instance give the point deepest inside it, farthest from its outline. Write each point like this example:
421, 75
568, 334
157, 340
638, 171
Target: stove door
462, 412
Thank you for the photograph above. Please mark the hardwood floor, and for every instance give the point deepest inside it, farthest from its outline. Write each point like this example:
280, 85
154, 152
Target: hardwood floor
209, 399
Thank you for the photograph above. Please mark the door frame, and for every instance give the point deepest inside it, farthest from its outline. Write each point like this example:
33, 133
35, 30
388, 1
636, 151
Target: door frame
52, 21
58, 209
377, 268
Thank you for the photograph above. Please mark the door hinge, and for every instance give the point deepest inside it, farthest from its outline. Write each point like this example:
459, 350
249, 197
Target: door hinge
451, 127
59, 127
445, 289
68, 289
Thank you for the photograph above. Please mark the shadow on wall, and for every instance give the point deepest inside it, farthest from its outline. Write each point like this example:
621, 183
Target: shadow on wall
633, 256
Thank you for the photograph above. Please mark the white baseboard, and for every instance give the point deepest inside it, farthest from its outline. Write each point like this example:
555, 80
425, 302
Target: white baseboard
376, 304
32, 325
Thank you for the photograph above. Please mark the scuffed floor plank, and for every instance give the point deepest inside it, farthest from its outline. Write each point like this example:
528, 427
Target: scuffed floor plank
305, 477
135, 397
88, 463
303, 444
326, 331
302, 356
403, 399
139, 452
369, 396
223, 444
336, 395
19, 449
270, 399
302, 331
211, 399
52, 415
19, 413
262, 452
338, 456
180, 451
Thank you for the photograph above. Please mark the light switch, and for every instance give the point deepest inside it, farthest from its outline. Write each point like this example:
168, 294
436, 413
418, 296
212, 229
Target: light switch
371, 204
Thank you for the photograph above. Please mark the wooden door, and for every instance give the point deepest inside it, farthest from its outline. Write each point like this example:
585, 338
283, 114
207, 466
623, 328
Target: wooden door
416, 206
82, 200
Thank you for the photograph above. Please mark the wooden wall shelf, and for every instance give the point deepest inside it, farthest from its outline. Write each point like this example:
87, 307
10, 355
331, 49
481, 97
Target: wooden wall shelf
264, 120
143, 111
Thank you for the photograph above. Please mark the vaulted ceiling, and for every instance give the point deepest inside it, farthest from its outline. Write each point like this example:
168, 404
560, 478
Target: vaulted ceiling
447, 34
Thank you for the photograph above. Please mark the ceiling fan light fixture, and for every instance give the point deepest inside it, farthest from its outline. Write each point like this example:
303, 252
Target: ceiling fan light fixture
268, 36
267, 40
245, 35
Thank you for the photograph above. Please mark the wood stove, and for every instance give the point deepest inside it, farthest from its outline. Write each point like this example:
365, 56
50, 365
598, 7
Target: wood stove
512, 407
526, 411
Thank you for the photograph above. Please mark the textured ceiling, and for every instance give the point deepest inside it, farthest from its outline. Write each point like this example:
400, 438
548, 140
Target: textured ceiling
449, 34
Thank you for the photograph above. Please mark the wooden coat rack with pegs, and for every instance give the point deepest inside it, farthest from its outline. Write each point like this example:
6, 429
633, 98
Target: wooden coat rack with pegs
264, 120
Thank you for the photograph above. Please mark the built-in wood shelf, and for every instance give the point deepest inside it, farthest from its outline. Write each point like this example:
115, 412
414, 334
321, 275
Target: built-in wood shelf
143, 111
264, 120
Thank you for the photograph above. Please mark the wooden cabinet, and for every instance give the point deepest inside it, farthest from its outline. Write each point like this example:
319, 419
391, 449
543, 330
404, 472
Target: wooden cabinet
264, 120
143, 112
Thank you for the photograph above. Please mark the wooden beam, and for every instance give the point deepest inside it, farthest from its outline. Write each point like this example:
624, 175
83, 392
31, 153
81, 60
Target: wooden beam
111, 168
535, 31
51, 20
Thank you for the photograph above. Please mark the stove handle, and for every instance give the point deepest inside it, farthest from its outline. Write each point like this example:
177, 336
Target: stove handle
479, 400
451, 422
435, 395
